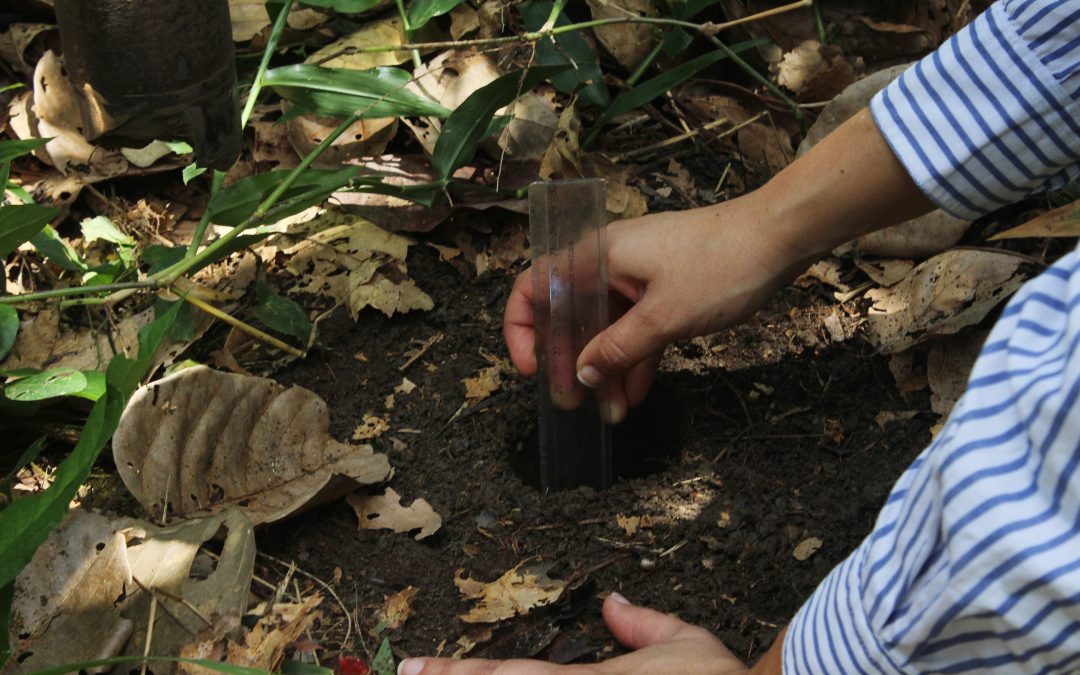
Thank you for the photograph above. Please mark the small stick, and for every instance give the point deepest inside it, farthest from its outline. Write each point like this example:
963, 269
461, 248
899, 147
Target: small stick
149, 630
241, 326
428, 344
327, 587
683, 137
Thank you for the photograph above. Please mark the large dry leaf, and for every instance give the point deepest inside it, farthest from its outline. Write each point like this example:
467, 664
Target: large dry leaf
249, 18
952, 290
917, 238
515, 593
629, 43
385, 512
87, 592
42, 343
17, 44
948, 366
1061, 222
382, 33
200, 441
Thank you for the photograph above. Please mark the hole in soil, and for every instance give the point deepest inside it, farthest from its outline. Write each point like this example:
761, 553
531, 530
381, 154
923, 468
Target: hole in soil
646, 443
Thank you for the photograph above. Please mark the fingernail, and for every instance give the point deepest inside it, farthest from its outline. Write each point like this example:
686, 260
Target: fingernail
410, 667
612, 412
590, 377
616, 596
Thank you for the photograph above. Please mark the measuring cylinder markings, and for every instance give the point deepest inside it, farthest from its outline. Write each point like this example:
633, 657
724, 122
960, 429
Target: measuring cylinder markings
570, 304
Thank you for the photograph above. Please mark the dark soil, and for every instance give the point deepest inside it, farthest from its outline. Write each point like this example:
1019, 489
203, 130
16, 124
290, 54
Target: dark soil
754, 440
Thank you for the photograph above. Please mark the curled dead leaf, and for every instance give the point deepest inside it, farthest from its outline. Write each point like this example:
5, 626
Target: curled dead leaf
377, 512
952, 290
398, 608
521, 589
200, 440
806, 548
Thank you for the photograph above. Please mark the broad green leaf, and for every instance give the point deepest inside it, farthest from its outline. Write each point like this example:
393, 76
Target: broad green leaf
102, 228
7, 593
46, 385
422, 11
675, 41
27, 522
28, 455
60, 253
19, 224
236, 203
281, 314
293, 667
425, 194
9, 328
339, 92
650, 89
344, 6
467, 125
160, 257
568, 49
191, 172
9, 150
383, 663
5, 174
179, 147
183, 329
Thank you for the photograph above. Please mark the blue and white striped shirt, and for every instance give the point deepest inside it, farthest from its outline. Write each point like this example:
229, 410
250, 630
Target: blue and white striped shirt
974, 562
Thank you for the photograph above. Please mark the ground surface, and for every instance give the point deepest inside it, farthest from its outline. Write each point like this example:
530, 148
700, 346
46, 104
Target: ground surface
755, 440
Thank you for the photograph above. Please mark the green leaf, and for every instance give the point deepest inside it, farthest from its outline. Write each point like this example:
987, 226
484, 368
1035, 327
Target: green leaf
19, 224
238, 202
567, 49
183, 329
293, 667
9, 329
160, 257
216, 666
49, 384
27, 522
60, 253
104, 229
344, 6
179, 147
422, 11
7, 594
425, 194
383, 663
191, 172
468, 124
9, 150
339, 92
675, 41
657, 86
281, 314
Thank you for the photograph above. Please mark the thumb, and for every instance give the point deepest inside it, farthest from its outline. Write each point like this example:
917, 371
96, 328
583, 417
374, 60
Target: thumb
640, 627
622, 345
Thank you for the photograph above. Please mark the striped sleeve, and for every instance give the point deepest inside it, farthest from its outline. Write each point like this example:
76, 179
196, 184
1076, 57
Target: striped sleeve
974, 562
994, 113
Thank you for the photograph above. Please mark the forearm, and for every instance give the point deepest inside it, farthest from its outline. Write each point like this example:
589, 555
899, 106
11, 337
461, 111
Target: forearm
849, 184
771, 663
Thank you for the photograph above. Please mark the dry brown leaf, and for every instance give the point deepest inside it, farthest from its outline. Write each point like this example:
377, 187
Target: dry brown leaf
909, 376
407, 386
200, 440
363, 138
1061, 222
394, 213
398, 608
249, 18
371, 427
41, 343
264, 646
799, 65
806, 548
385, 512
952, 290
515, 593
352, 261
948, 366
629, 43
885, 272
887, 417
487, 381
381, 33
20, 41
84, 596
463, 20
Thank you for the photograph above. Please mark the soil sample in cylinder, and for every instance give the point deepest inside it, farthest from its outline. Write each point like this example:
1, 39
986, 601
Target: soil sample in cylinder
570, 303
154, 70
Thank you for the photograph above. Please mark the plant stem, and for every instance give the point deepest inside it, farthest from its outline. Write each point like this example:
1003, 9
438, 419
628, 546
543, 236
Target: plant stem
405, 26
76, 290
687, 136
239, 325
271, 46
216, 181
823, 37
640, 70
167, 276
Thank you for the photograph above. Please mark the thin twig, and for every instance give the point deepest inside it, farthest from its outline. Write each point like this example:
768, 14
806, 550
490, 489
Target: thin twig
239, 325
76, 290
683, 137
327, 587
149, 631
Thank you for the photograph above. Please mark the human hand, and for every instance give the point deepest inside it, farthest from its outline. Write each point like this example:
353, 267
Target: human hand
671, 276
662, 644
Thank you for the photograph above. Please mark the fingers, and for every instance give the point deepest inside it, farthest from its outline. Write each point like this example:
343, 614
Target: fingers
635, 337
639, 627
519, 324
